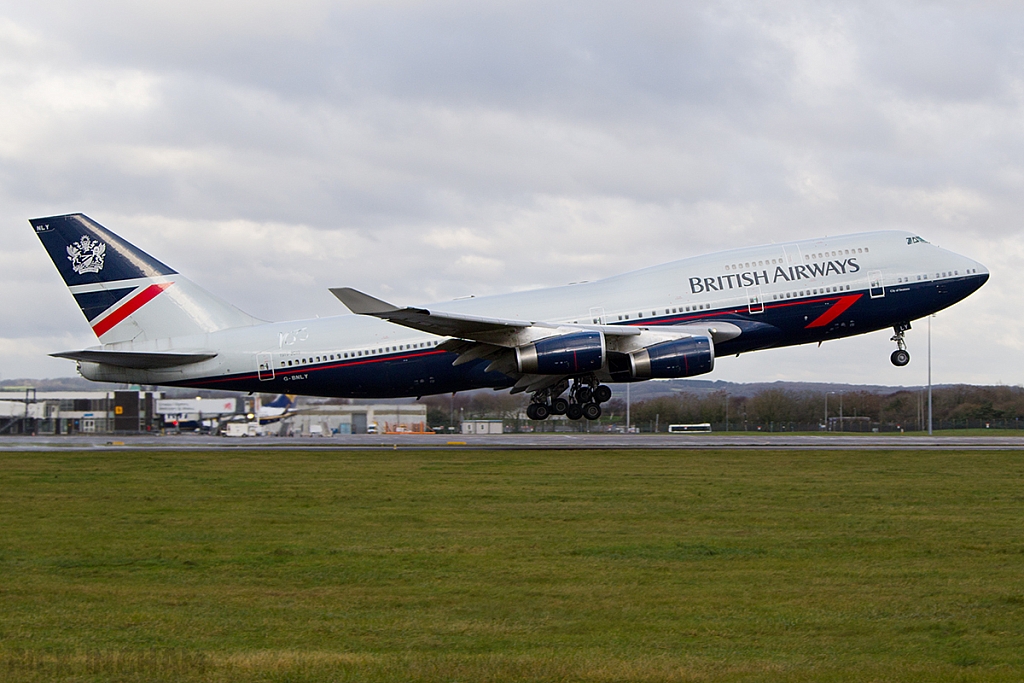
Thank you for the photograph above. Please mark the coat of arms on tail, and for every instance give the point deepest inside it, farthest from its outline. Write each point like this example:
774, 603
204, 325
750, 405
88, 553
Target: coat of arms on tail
86, 255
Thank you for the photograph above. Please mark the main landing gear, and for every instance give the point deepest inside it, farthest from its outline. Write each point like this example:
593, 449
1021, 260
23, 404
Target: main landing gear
584, 400
900, 356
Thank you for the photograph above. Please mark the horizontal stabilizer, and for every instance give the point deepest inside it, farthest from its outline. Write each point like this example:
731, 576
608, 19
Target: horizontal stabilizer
143, 360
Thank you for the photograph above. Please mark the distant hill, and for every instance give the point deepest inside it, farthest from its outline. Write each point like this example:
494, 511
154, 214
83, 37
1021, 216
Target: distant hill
642, 391
55, 384
639, 391
82, 384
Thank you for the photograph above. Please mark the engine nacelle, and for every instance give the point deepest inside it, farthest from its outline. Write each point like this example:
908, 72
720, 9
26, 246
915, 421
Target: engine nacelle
678, 358
566, 354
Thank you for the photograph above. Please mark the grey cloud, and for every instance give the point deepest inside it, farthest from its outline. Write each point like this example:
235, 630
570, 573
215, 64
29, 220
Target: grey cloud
431, 150
957, 52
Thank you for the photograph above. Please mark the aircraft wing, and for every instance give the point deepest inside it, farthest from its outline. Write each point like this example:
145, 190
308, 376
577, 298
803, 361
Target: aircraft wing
502, 332
494, 339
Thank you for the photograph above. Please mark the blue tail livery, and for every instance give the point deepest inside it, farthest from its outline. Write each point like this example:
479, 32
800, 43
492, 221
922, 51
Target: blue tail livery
124, 293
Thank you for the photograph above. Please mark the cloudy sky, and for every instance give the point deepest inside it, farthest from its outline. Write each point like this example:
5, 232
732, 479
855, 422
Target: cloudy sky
422, 151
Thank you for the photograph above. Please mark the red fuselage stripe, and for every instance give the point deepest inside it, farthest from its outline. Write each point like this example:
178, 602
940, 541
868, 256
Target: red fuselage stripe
329, 366
842, 303
129, 307
744, 310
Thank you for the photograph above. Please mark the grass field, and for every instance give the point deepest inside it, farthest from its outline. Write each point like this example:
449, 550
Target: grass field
492, 566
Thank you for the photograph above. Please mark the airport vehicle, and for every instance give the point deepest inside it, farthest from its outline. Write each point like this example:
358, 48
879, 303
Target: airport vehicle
564, 345
241, 429
689, 428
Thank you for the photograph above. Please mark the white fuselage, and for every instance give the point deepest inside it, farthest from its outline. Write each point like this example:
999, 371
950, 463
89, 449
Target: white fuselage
748, 282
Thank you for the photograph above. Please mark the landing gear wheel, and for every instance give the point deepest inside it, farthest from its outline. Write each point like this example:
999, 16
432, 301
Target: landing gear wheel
538, 411
583, 395
602, 394
559, 406
592, 411
574, 411
900, 357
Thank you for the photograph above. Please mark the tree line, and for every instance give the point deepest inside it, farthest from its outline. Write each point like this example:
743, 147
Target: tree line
772, 409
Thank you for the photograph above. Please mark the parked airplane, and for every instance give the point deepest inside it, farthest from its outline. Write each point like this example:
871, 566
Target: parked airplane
281, 407
562, 344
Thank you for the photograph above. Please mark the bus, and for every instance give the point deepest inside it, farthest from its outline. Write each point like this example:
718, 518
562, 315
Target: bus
686, 429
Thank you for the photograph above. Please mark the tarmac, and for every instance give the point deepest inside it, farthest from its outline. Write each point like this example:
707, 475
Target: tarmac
546, 441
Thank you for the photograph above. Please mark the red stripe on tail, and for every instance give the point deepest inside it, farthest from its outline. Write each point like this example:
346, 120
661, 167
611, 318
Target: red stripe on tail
129, 307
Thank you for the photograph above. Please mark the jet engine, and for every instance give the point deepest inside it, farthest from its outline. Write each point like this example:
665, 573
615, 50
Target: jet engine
677, 358
566, 354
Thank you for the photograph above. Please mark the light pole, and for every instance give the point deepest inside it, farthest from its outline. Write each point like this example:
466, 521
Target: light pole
627, 408
826, 409
930, 374
842, 426
840, 409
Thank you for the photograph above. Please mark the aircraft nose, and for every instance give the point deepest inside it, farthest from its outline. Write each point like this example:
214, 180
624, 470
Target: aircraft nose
977, 270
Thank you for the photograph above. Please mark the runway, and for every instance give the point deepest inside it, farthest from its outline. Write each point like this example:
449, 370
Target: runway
519, 442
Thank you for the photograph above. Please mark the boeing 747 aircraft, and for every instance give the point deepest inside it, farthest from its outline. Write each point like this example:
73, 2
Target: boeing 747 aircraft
563, 345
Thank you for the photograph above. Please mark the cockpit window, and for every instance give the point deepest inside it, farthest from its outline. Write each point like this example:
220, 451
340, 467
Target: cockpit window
915, 240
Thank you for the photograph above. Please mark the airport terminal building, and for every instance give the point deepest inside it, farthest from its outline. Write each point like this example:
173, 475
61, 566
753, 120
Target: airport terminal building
56, 413
78, 412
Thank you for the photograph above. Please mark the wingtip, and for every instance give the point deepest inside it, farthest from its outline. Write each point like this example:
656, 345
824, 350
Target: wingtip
362, 304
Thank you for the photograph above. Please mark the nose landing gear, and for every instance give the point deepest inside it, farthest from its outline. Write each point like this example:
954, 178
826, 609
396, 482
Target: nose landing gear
585, 398
900, 356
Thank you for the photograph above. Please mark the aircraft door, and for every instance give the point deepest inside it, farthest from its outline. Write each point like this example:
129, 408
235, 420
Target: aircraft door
876, 288
755, 303
792, 252
264, 366
597, 316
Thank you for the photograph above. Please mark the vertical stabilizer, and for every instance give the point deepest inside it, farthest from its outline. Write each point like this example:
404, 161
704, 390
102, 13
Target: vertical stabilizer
282, 401
126, 294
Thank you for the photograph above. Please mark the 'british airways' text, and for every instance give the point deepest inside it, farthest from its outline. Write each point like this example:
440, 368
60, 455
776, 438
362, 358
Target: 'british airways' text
754, 278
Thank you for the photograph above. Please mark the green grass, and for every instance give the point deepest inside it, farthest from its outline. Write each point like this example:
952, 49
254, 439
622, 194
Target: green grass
491, 566
967, 432
1019, 433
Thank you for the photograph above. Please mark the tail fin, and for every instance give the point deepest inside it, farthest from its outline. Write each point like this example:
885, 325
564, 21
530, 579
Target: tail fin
125, 293
282, 401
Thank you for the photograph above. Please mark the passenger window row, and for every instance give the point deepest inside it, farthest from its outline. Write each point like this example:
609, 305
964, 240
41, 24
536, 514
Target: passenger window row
669, 311
837, 252
807, 257
810, 292
754, 264
686, 309
357, 354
